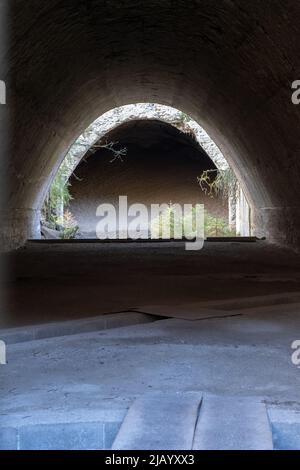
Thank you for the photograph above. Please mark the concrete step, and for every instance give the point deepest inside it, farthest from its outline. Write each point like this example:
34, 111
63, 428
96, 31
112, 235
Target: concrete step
204, 310
160, 422
241, 303
190, 312
80, 429
285, 428
233, 423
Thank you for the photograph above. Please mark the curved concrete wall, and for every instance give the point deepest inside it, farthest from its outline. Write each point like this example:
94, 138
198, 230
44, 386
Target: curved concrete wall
161, 166
228, 64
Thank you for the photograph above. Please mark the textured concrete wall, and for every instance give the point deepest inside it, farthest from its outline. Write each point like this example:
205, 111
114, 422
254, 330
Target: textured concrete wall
227, 63
161, 166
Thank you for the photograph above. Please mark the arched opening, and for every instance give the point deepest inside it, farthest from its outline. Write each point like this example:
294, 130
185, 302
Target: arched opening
152, 154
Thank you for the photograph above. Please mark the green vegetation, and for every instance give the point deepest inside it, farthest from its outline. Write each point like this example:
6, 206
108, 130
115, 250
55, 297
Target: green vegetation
167, 225
54, 212
219, 183
224, 184
68, 225
216, 226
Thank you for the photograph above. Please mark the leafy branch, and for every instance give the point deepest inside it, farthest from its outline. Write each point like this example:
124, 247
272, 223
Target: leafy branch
219, 183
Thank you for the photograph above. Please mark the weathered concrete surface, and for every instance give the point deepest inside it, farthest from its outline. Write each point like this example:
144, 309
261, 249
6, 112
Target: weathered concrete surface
224, 308
17, 224
233, 423
95, 377
229, 64
209, 355
47, 283
160, 421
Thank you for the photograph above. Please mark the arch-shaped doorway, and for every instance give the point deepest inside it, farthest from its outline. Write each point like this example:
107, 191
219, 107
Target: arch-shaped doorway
142, 150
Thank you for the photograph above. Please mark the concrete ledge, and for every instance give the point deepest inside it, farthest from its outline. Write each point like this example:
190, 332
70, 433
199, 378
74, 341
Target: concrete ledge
60, 436
160, 421
285, 428
233, 423
286, 436
8, 438
102, 429
203, 310
242, 303
150, 240
50, 330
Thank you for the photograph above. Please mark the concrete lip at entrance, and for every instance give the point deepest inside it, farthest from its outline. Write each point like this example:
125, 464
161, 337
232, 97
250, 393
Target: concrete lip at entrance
130, 240
50, 330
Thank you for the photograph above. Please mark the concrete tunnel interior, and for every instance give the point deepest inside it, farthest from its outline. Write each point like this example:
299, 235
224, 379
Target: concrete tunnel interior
149, 318
241, 108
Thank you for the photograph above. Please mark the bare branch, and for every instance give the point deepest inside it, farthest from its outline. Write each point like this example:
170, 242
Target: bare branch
118, 154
